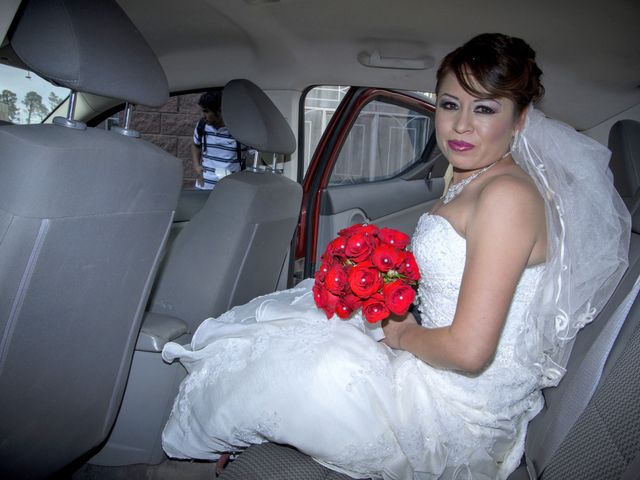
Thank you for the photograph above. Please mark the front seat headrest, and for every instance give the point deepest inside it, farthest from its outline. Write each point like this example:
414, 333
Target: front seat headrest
104, 53
254, 120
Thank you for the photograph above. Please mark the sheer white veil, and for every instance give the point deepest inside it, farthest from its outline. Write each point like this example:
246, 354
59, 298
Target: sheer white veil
588, 229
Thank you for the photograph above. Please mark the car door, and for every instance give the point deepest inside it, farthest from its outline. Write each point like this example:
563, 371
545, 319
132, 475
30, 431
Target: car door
377, 162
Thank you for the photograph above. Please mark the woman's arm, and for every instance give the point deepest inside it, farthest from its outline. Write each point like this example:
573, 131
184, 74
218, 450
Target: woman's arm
504, 233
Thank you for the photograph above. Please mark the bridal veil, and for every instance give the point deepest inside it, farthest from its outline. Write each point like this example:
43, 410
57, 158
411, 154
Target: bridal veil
588, 228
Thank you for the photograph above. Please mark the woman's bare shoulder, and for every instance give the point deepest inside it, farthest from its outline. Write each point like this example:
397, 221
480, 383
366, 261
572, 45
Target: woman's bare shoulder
509, 211
511, 189
508, 204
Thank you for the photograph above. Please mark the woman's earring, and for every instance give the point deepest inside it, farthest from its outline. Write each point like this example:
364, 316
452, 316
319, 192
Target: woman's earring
514, 140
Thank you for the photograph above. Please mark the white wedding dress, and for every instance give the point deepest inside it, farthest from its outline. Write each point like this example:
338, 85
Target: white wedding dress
277, 370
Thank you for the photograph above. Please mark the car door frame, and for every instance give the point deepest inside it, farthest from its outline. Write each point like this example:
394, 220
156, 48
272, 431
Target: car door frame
316, 188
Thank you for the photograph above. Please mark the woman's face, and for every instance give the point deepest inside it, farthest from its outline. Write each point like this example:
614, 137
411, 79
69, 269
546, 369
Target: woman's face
472, 132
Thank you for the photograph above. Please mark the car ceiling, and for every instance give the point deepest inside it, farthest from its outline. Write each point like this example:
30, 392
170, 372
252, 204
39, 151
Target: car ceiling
589, 50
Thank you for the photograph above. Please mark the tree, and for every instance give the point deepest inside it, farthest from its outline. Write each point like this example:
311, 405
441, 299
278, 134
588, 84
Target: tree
54, 101
33, 103
9, 98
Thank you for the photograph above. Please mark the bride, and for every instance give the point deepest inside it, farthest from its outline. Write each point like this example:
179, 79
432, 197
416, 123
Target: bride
502, 294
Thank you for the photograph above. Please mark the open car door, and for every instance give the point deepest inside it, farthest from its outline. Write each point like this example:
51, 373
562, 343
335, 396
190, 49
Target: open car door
377, 162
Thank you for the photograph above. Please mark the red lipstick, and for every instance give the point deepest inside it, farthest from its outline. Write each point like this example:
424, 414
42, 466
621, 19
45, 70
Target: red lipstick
459, 145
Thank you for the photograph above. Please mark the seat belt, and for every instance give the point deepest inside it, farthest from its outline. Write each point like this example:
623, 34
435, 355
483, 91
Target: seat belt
582, 387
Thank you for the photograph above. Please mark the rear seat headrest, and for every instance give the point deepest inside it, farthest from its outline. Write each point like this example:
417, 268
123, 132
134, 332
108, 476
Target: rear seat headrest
254, 120
104, 53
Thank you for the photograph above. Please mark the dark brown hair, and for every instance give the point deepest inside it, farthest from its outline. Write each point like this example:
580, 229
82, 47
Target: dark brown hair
494, 65
211, 100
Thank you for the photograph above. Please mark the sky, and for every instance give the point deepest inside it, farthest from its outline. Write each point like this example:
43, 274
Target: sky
14, 79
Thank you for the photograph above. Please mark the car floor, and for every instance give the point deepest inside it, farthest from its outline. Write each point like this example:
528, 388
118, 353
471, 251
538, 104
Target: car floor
167, 470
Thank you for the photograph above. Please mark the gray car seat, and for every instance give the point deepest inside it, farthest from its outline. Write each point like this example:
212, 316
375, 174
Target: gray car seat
84, 214
624, 143
590, 427
231, 251
234, 248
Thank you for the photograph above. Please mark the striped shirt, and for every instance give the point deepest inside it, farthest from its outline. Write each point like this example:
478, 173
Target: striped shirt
219, 154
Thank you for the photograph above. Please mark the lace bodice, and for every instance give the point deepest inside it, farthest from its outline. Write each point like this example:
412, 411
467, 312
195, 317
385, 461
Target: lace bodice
441, 252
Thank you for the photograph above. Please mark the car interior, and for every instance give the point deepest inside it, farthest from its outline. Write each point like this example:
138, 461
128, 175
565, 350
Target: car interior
104, 243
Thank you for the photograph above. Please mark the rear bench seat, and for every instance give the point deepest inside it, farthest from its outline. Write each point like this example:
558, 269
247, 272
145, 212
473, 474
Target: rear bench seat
574, 436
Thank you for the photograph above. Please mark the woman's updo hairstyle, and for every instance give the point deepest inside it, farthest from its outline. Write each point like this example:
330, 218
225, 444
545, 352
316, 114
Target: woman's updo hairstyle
494, 65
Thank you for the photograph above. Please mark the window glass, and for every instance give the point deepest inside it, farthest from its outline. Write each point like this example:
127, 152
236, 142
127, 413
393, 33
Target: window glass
384, 141
171, 127
27, 98
320, 104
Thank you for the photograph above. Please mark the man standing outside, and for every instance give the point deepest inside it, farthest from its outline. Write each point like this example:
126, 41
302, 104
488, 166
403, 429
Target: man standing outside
214, 152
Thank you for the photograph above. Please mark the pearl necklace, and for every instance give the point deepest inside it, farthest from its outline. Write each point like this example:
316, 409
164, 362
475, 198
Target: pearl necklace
455, 188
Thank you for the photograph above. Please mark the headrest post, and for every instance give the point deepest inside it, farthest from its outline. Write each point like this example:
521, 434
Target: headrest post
69, 122
254, 168
71, 111
274, 165
127, 115
127, 120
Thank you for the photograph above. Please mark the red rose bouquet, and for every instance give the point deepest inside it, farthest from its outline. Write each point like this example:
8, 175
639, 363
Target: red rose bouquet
366, 267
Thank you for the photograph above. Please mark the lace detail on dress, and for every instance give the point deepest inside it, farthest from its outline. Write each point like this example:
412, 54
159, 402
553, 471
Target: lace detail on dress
267, 427
277, 370
378, 366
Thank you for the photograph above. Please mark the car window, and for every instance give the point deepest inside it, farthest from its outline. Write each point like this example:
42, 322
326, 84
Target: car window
385, 140
171, 127
320, 103
27, 98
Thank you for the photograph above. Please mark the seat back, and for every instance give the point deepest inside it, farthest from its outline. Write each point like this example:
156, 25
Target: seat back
589, 426
603, 442
234, 248
624, 143
83, 216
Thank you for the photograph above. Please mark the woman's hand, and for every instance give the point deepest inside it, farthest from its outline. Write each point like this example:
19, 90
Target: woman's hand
395, 327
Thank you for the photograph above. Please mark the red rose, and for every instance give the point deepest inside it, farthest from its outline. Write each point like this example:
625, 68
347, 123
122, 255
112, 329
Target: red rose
398, 297
337, 247
370, 229
375, 310
408, 267
385, 257
336, 279
347, 232
352, 301
394, 238
343, 310
325, 266
360, 246
325, 299
364, 280
365, 228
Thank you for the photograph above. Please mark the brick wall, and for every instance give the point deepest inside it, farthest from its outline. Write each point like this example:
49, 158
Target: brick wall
171, 128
